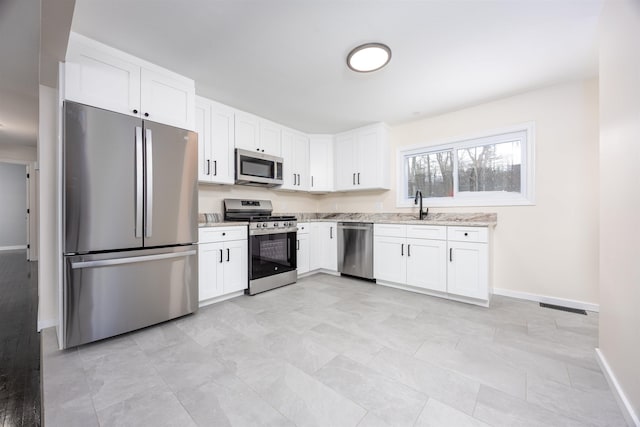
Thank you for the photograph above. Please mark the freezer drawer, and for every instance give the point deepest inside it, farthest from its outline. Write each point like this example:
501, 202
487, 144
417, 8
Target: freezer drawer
113, 293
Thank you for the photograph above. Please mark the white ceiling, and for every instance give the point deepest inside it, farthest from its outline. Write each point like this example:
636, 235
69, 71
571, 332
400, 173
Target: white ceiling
285, 60
19, 46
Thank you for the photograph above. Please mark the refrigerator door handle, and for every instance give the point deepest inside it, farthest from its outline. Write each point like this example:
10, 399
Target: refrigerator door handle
149, 161
129, 260
139, 181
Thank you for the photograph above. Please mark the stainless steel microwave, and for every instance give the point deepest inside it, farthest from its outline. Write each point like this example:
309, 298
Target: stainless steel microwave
258, 169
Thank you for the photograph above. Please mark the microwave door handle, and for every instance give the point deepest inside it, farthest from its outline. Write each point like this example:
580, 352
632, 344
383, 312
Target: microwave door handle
149, 158
139, 181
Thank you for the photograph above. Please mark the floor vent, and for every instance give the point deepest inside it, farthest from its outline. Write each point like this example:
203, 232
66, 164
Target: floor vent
559, 307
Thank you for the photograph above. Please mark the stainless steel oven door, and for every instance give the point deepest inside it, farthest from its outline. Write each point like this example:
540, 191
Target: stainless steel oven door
272, 261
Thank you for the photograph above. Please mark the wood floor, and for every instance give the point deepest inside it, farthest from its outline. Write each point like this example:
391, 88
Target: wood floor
19, 341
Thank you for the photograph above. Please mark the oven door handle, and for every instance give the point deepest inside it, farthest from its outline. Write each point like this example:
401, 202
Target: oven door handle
260, 232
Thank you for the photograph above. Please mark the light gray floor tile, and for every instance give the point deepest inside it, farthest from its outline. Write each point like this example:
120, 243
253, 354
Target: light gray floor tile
503, 410
229, 403
305, 400
447, 386
596, 406
394, 403
252, 361
158, 407
483, 368
186, 365
299, 350
437, 414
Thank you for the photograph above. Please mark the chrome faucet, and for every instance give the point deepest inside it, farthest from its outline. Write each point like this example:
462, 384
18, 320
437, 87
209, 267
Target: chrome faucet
424, 214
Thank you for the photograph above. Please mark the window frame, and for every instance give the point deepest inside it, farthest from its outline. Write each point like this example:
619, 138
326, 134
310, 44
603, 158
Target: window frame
526, 196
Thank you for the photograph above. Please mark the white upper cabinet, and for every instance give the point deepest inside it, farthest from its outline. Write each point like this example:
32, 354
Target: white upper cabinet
104, 77
362, 159
295, 154
256, 134
320, 163
215, 127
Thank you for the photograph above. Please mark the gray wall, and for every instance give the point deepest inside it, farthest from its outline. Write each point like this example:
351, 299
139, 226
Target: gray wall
13, 202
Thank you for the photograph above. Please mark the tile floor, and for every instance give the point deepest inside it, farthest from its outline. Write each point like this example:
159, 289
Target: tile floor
332, 351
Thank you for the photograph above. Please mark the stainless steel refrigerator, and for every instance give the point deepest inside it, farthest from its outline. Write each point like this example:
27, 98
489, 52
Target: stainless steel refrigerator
130, 227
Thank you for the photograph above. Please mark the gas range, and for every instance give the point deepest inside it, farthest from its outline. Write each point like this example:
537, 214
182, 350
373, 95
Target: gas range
272, 243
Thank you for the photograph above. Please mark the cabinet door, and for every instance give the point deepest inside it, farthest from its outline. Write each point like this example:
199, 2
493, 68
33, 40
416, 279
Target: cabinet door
389, 262
166, 99
366, 158
203, 126
303, 253
427, 264
222, 140
301, 161
345, 173
269, 138
288, 166
468, 269
236, 273
323, 246
96, 78
321, 164
247, 132
210, 261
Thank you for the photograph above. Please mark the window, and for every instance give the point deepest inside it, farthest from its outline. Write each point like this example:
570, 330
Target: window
489, 170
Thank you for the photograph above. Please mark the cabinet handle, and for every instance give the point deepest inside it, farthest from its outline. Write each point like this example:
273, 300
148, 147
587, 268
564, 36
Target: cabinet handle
135, 111
402, 249
331, 232
224, 234
450, 254
257, 149
220, 256
298, 245
215, 168
312, 180
466, 234
298, 179
228, 255
208, 167
294, 179
263, 151
146, 114
358, 178
408, 250
354, 178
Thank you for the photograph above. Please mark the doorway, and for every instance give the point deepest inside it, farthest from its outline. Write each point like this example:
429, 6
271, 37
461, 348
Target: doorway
14, 207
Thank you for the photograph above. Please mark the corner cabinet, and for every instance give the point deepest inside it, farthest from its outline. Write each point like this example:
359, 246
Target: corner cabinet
215, 127
362, 159
104, 77
451, 262
320, 163
324, 246
222, 263
295, 155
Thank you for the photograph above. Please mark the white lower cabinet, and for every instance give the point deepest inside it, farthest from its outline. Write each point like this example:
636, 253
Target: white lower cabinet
449, 261
303, 254
323, 246
222, 262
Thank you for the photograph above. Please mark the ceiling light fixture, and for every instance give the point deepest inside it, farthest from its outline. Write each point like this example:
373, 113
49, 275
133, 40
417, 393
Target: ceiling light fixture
369, 57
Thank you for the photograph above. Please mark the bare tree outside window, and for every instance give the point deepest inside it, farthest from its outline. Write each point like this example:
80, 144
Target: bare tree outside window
494, 167
431, 173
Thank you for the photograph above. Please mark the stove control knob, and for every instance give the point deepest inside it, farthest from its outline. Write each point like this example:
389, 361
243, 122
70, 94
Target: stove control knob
275, 224
264, 224
258, 225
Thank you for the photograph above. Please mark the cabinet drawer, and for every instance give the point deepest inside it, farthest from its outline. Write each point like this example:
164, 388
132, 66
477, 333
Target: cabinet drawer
303, 228
468, 234
221, 234
435, 232
390, 230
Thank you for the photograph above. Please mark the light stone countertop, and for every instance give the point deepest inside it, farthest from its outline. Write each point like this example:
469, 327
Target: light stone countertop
450, 219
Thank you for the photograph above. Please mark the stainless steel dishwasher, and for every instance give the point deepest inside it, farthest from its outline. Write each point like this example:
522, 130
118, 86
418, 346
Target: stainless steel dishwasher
355, 249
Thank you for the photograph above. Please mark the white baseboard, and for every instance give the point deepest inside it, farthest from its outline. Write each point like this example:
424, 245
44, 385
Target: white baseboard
13, 248
627, 410
582, 305
220, 298
44, 324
